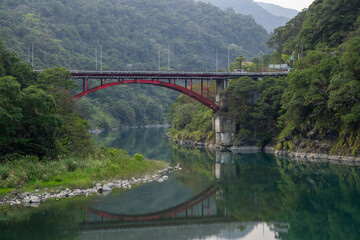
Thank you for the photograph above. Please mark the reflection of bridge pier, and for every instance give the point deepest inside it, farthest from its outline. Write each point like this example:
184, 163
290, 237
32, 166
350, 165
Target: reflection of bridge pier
224, 167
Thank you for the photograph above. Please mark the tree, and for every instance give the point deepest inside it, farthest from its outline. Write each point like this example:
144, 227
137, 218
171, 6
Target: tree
10, 113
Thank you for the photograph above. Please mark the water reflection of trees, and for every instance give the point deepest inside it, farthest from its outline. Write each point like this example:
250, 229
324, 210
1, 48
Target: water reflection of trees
319, 200
53, 220
151, 142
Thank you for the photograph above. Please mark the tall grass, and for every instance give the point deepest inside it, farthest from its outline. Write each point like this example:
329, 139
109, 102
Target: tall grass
27, 173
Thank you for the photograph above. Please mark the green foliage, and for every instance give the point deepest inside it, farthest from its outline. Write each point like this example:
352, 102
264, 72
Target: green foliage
66, 33
190, 119
37, 115
56, 77
239, 97
139, 157
256, 107
74, 171
131, 31
325, 21
324, 90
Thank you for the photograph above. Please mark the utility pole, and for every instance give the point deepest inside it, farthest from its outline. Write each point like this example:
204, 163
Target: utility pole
216, 62
262, 62
229, 59
159, 58
101, 57
168, 58
96, 58
32, 55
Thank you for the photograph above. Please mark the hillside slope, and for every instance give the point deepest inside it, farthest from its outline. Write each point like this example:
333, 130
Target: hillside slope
132, 33
278, 10
248, 7
316, 109
66, 33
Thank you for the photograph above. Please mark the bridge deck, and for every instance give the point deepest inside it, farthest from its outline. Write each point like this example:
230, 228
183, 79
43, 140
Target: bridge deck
170, 74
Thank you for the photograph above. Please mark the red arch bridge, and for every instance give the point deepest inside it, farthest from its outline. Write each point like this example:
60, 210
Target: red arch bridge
175, 80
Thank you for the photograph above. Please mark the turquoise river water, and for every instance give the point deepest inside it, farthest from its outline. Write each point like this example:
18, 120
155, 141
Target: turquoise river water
215, 196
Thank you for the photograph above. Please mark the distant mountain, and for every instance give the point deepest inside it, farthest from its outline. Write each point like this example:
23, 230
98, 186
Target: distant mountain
277, 10
248, 7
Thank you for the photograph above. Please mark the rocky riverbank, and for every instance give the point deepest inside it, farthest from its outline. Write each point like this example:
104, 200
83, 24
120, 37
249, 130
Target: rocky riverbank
103, 187
98, 131
308, 156
211, 146
318, 157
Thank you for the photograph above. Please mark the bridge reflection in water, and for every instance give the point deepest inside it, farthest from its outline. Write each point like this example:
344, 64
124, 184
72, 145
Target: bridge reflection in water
201, 216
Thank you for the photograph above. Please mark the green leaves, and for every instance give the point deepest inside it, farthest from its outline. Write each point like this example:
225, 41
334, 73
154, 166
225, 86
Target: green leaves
57, 77
38, 119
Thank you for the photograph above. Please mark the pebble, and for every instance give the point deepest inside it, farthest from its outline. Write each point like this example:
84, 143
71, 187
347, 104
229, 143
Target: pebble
43, 195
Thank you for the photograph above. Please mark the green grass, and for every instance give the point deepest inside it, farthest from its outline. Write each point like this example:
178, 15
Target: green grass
5, 191
29, 173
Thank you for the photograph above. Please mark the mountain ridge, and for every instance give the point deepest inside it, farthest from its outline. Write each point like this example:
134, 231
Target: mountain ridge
278, 10
248, 7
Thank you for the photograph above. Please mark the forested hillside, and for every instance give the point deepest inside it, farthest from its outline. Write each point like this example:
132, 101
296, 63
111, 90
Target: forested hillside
37, 116
278, 10
321, 105
131, 32
317, 107
262, 15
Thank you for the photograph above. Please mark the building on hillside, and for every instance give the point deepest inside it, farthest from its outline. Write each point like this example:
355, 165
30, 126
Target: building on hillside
247, 63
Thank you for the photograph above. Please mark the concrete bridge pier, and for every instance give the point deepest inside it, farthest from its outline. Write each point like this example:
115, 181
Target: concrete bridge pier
223, 125
220, 86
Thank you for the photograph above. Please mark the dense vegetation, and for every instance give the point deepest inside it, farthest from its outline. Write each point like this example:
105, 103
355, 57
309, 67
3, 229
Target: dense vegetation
267, 15
127, 106
316, 108
43, 139
190, 119
37, 115
321, 103
132, 32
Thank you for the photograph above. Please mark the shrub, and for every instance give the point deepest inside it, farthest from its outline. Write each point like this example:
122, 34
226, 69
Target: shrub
139, 157
112, 152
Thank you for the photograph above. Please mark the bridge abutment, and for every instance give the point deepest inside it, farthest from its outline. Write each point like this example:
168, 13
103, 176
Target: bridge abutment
224, 129
220, 86
223, 124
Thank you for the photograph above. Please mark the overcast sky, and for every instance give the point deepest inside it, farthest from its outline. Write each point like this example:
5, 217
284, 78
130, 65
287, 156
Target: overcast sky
294, 4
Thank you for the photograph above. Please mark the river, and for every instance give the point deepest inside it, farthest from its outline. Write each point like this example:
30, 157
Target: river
215, 196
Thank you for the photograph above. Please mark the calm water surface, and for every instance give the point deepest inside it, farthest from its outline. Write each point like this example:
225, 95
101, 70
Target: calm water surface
216, 196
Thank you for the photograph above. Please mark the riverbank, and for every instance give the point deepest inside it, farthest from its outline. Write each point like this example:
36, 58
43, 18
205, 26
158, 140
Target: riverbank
29, 174
42, 195
309, 156
98, 131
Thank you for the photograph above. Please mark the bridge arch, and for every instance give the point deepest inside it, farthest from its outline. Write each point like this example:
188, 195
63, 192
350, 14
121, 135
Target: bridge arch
202, 99
167, 79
